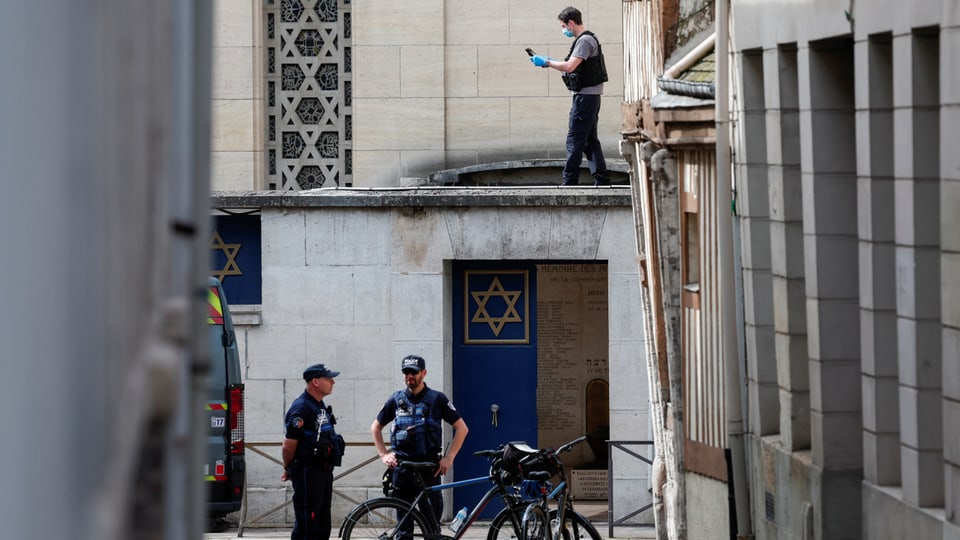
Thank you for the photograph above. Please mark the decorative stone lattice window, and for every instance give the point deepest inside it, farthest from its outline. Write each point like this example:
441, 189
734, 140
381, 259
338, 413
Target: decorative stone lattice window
308, 96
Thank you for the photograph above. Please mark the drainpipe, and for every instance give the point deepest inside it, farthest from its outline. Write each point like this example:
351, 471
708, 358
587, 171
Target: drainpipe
735, 432
691, 57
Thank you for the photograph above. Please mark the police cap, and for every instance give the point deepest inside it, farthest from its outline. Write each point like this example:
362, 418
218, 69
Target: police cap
412, 362
318, 370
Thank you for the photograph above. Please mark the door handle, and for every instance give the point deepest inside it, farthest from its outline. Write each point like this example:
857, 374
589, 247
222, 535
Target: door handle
494, 409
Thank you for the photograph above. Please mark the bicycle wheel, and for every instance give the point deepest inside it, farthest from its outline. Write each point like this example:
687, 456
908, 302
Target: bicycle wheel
378, 519
575, 526
505, 525
535, 524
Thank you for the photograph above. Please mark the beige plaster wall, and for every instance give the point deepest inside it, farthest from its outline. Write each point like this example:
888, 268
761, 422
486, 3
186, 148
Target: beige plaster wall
442, 84
237, 92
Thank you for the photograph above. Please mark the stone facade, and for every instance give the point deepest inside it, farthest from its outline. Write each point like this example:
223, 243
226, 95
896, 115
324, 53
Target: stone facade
436, 85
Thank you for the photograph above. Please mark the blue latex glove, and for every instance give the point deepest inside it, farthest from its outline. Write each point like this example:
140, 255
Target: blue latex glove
539, 61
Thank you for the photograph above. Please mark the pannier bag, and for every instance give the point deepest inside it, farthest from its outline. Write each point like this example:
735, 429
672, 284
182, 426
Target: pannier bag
544, 460
513, 454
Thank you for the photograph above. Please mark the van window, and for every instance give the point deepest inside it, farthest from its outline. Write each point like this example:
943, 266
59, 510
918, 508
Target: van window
218, 362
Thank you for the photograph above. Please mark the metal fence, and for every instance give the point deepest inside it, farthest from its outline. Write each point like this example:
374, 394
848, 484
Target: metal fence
256, 447
612, 521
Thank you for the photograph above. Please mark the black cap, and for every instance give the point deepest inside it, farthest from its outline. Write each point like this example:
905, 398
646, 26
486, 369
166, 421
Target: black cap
412, 362
318, 370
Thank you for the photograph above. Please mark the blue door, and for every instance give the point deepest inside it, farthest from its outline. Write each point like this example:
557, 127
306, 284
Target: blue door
494, 363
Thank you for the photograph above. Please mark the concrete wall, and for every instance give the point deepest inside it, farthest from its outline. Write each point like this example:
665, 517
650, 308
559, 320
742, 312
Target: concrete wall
710, 520
358, 278
857, 109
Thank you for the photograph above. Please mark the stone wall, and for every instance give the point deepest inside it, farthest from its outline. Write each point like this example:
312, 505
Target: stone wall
436, 85
357, 278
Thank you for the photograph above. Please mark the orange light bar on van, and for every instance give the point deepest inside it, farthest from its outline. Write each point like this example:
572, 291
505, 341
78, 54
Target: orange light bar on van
214, 306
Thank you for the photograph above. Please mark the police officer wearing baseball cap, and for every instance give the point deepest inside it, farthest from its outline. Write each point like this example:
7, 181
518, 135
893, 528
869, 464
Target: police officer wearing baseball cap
311, 449
417, 413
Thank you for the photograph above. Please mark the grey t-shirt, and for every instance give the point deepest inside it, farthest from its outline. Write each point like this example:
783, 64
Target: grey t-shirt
587, 47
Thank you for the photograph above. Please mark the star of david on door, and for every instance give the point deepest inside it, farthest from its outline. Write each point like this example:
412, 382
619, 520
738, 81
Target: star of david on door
496, 306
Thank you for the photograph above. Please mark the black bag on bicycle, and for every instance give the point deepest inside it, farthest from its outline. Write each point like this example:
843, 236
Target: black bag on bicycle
513, 454
544, 460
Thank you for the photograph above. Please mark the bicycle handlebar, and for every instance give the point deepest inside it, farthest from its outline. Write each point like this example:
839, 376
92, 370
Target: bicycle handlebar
497, 452
488, 453
566, 447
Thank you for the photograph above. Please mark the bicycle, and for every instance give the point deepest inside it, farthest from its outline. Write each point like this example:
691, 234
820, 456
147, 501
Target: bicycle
539, 522
386, 517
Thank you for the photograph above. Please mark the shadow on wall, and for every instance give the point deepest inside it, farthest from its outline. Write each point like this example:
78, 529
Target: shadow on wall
523, 172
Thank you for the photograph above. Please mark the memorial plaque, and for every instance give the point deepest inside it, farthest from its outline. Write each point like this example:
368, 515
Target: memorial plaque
572, 345
589, 484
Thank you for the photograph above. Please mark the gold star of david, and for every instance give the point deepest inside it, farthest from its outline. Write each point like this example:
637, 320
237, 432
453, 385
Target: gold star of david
509, 314
230, 268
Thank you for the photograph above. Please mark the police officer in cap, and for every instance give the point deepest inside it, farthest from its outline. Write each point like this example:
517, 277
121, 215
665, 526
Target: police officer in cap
417, 431
311, 449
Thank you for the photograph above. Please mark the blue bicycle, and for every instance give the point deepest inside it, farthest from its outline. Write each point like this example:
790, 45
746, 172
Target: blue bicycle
394, 518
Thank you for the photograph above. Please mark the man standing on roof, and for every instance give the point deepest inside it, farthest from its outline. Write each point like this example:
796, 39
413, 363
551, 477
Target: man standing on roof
311, 449
416, 434
584, 73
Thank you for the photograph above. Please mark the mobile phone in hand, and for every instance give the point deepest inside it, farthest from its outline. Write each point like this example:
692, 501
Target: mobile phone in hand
530, 52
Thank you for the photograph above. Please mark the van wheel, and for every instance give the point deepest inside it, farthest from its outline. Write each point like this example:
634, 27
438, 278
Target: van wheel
217, 524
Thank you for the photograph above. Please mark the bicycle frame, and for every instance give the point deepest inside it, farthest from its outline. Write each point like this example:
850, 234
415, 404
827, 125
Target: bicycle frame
491, 493
559, 494
477, 509
562, 497
421, 512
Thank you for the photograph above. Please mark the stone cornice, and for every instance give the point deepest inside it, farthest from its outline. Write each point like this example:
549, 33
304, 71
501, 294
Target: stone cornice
423, 197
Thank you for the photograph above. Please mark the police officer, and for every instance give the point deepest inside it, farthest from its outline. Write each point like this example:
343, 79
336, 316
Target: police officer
311, 449
417, 431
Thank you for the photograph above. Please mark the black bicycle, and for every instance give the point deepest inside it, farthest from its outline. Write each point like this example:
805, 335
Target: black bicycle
394, 518
539, 522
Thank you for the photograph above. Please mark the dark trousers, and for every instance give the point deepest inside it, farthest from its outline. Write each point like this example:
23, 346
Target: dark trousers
582, 140
407, 488
312, 495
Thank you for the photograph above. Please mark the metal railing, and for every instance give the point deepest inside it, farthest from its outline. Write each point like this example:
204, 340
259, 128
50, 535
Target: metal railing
255, 447
622, 446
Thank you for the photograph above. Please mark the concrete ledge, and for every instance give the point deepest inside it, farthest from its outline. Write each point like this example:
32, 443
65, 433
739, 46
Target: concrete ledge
424, 196
887, 515
502, 170
246, 314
